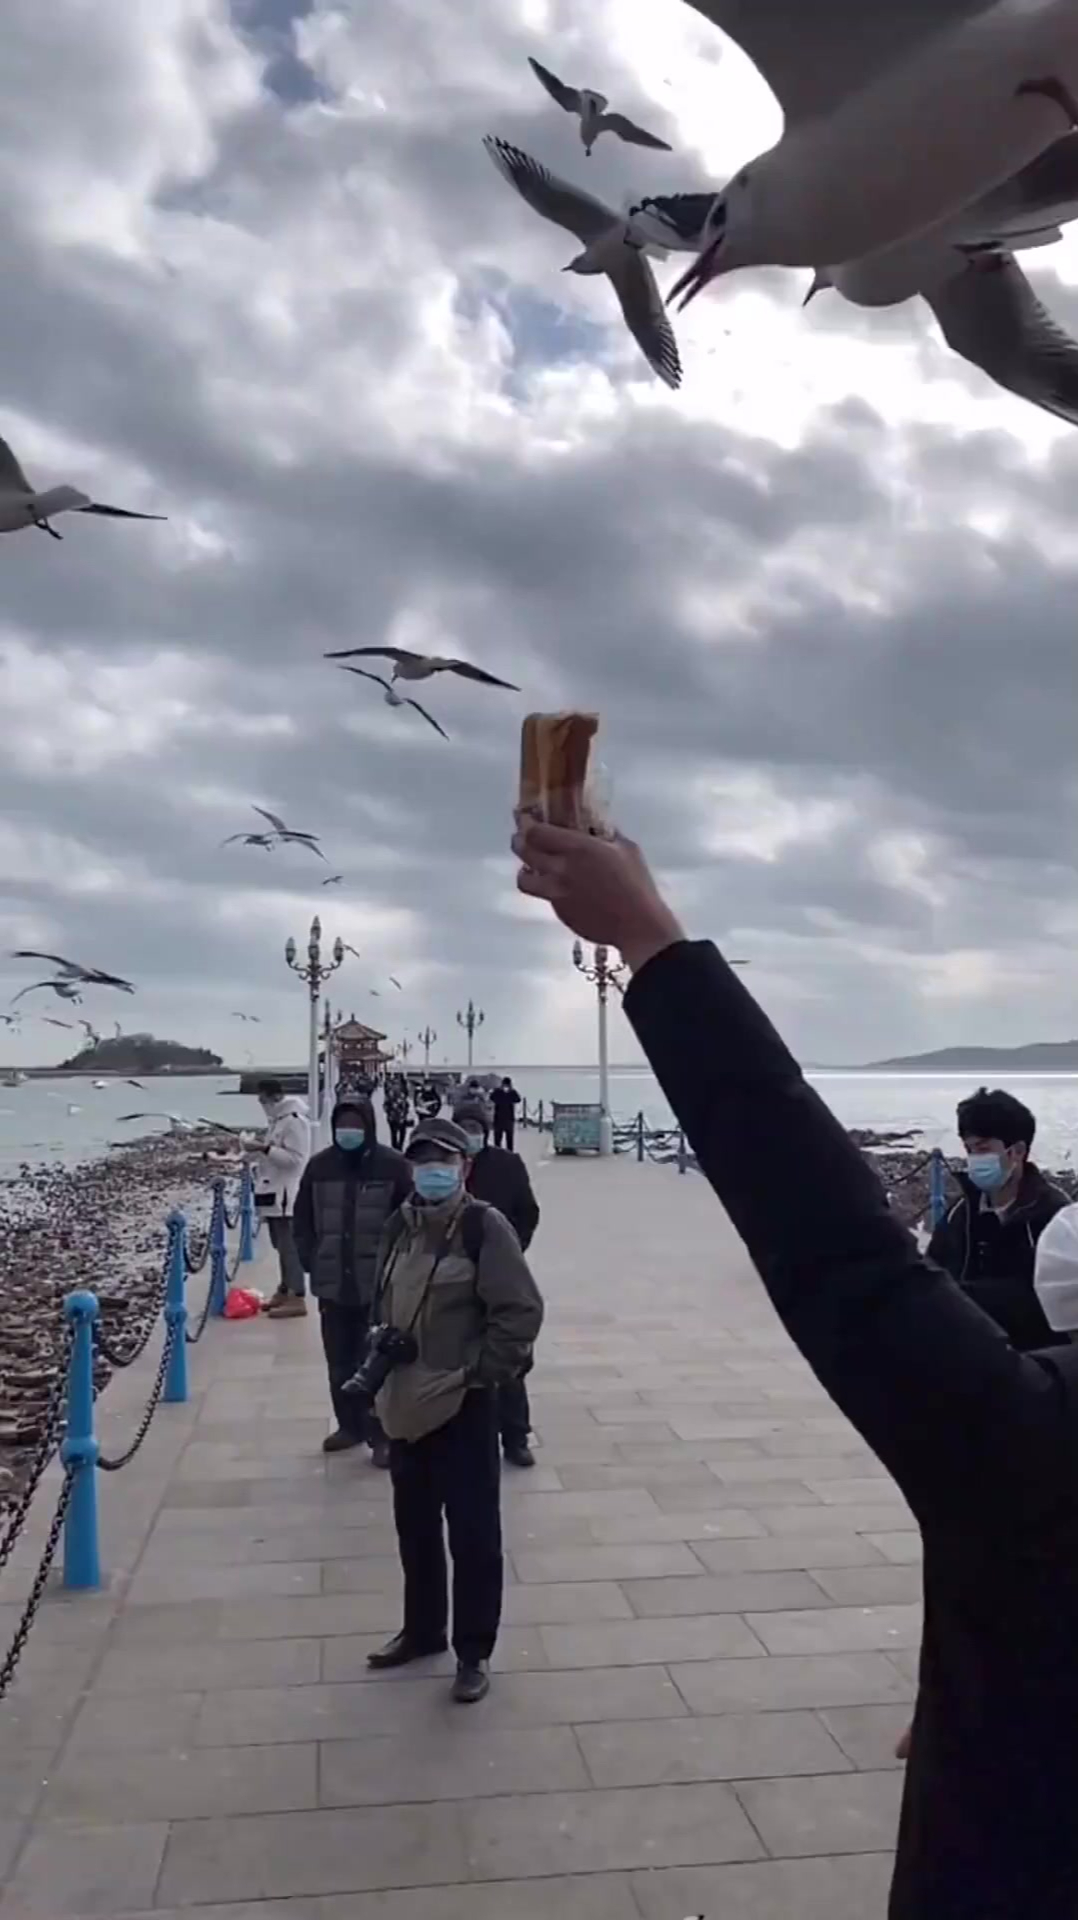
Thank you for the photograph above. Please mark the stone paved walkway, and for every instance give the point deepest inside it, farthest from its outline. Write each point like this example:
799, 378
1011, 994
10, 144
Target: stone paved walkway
709, 1649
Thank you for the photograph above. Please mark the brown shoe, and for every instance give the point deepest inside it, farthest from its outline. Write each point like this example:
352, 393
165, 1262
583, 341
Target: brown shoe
292, 1307
274, 1300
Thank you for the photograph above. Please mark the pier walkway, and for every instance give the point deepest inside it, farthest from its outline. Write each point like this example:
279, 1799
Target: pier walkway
709, 1645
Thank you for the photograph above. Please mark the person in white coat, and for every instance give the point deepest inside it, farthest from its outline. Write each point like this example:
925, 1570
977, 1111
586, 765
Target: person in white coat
277, 1164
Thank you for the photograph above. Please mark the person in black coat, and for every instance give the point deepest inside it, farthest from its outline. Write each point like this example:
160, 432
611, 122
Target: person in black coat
501, 1178
346, 1195
982, 1439
988, 1240
505, 1101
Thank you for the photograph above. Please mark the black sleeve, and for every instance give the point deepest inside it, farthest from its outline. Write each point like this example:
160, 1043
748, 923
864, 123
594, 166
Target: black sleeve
946, 1246
402, 1182
303, 1220
525, 1209
972, 1430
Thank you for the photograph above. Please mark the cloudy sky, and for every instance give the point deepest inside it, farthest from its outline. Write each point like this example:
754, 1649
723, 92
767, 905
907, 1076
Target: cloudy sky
260, 276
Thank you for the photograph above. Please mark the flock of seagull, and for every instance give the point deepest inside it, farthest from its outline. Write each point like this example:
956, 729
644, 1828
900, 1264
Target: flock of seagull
926, 144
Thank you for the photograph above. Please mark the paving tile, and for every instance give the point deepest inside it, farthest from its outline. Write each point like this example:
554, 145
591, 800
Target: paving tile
902, 1549
839, 1629
788, 1553
584, 1600
860, 1519
592, 1896
120, 1723
823, 1680
870, 1586
519, 1650
640, 1642
224, 1583
728, 1523
603, 1830
12, 1833
630, 1562
727, 1747
803, 1469
853, 1888
749, 1494
595, 1476
88, 1871
450, 1764
867, 1735
253, 1858
837, 1813
184, 1785
252, 1663
722, 1593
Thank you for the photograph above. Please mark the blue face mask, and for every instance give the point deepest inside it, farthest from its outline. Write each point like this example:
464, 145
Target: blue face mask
988, 1171
350, 1139
476, 1143
435, 1181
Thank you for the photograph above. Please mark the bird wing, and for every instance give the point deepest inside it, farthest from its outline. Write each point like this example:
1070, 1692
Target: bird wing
306, 840
12, 477
49, 1021
627, 129
54, 959
34, 988
468, 672
394, 982
277, 824
813, 58
686, 213
555, 199
567, 97
645, 315
365, 674
95, 977
990, 314
428, 717
1035, 201
333, 880
399, 654
119, 513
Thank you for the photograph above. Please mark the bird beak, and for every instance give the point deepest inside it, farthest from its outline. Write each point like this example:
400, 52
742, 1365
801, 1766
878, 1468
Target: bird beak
703, 269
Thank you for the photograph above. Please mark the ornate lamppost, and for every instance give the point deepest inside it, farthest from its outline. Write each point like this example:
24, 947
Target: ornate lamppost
314, 974
603, 974
404, 1050
471, 1020
426, 1041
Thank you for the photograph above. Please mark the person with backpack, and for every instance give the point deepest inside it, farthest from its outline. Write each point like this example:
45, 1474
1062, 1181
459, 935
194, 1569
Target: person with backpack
499, 1176
454, 1291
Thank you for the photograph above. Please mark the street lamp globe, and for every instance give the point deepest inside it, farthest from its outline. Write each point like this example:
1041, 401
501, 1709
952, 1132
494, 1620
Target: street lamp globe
338, 950
290, 950
578, 954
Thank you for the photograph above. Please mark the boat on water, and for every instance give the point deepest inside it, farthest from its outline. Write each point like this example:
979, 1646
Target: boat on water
12, 1079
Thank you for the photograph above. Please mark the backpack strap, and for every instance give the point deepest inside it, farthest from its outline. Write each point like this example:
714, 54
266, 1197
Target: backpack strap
473, 1226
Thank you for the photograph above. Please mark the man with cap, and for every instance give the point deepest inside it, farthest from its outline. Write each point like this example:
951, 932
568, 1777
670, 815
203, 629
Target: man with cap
500, 1177
346, 1195
452, 1282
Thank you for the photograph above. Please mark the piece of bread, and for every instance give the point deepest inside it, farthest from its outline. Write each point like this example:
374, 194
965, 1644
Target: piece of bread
554, 750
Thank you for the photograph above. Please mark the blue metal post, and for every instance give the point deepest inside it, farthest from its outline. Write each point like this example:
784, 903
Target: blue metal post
681, 1162
79, 1450
176, 1309
640, 1137
937, 1204
218, 1251
247, 1208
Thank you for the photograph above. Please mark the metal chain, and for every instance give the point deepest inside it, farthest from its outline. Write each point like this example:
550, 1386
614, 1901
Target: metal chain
195, 1262
232, 1220
200, 1325
127, 1355
22, 1631
121, 1460
50, 1433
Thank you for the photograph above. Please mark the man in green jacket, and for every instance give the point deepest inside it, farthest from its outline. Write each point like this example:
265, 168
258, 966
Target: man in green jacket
453, 1280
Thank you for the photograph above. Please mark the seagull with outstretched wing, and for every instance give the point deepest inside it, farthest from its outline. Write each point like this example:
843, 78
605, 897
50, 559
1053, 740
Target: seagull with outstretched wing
22, 505
591, 109
289, 836
63, 989
421, 666
395, 699
72, 970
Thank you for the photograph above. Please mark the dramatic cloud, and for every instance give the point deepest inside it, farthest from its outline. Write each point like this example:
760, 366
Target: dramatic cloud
262, 277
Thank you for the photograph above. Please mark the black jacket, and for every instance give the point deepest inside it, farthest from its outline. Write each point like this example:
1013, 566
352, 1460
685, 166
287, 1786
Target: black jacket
501, 1178
343, 1203
505, 1101
992, 1258
983, 1441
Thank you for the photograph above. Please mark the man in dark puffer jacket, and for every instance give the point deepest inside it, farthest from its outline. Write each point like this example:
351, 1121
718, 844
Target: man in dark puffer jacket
346, 1195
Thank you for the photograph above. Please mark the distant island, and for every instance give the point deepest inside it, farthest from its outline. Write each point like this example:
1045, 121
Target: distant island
1043, 1056
133, 1054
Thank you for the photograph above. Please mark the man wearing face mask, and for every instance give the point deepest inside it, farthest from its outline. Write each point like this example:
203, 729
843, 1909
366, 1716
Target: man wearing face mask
500, 1177
988, 1241
276, 1165
347, 1194
454, 1283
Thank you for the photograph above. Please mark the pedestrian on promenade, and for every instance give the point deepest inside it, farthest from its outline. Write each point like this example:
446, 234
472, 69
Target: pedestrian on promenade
501, 1179
453, 1279
428, 1101
988, 1240
982, 1439
395, 1101
506, 1100
347, 1194
277, 1162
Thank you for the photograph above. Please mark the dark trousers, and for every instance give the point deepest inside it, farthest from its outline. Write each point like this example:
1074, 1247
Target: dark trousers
282, 1240
514, 1414
345, 1325
504, 1132
398, 1134
455, 1470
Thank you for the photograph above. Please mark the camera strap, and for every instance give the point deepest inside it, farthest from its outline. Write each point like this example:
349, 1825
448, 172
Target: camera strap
443, 1248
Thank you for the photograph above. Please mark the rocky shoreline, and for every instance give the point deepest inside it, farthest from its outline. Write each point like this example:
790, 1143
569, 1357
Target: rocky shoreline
100, 1225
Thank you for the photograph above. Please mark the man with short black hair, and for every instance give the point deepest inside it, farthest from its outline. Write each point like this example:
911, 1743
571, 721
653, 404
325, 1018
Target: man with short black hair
505, 1100
501, 1179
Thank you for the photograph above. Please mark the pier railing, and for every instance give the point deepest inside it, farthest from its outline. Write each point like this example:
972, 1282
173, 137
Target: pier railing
665, 1146
68, 1423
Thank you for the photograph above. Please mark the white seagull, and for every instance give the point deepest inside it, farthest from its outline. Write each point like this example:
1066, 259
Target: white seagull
591, 108
22, 506
63, 989
176, 1121
281, 835
421, 666
395, 699
898, 114
608, 249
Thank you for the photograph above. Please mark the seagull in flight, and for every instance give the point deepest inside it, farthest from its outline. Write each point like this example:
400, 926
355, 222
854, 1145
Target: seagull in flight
334, 880
22, 506
47, 1020
63, 989
896, 115
354, 951
280, 835
72, 970
177, 1123
255, 1019
394, 982
93, 1038
266, 840
395, 699
591, 107
609, 248
421, 666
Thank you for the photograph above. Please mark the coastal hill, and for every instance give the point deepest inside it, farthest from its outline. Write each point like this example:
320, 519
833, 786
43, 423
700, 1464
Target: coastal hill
1042, 1056
141, 1053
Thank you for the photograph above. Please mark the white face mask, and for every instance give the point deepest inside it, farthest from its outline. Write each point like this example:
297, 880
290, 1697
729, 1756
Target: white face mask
1055, 1271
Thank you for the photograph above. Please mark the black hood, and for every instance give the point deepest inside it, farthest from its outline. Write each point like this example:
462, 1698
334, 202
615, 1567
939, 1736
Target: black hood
357, 1103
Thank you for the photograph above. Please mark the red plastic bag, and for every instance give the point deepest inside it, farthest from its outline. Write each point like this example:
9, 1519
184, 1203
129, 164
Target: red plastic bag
242, 1303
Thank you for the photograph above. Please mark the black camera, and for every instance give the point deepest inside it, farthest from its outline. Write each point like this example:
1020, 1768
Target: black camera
388, 1348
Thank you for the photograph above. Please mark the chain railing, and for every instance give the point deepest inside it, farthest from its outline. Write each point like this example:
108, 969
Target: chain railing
68, 1421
